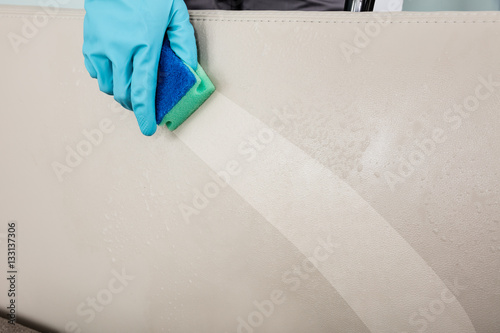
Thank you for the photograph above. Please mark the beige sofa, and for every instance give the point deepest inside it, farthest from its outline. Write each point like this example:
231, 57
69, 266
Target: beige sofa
343, 178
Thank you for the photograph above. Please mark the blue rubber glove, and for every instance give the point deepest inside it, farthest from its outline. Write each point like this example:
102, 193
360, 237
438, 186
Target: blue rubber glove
122, 47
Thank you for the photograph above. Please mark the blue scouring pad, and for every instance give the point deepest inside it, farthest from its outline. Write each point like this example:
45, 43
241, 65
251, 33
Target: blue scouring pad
180, 90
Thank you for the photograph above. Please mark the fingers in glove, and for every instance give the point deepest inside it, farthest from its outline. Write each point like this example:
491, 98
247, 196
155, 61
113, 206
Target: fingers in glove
143, 90
104, 70
90, 68
181, 34
122, 85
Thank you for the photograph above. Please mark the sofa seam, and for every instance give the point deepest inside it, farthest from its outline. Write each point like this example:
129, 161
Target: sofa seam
52, 17
336, 21
283, 20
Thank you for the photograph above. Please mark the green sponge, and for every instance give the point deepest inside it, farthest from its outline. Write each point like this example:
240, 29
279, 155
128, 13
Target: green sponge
191, 101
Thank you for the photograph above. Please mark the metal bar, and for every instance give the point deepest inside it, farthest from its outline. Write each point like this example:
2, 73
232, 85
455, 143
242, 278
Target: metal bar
368, 5
359, 5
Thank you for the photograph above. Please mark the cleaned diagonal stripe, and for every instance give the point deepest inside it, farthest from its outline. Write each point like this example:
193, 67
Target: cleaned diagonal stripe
374, 269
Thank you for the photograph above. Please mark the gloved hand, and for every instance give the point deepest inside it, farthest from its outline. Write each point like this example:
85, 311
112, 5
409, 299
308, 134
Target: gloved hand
122, 47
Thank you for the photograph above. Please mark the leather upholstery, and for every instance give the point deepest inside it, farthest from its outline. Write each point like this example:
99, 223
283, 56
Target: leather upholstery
366, 142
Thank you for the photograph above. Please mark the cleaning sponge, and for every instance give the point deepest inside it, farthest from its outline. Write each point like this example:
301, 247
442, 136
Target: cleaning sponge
180, 90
